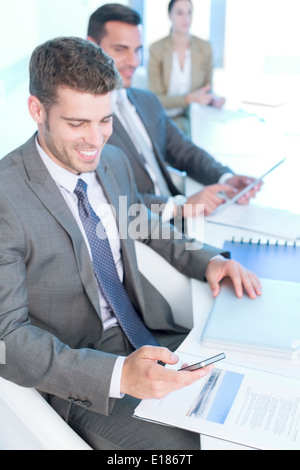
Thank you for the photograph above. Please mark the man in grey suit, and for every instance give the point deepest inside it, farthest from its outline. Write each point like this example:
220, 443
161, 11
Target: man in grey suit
117, 29
61, 321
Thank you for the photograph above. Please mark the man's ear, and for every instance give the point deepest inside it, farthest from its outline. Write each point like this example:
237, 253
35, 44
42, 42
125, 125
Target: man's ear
36, 109
89, 38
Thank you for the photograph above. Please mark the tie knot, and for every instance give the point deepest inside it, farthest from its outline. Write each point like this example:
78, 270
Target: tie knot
81, 188
81, 193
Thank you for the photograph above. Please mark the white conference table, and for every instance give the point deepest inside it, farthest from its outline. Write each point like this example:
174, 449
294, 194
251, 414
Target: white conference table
233, 133
202, 302
250, 146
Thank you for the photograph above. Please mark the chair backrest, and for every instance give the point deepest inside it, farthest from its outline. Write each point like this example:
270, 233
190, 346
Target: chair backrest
172, 285
29, 423
178, 178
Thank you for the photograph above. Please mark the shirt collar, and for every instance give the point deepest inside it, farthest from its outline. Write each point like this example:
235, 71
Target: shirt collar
115, 93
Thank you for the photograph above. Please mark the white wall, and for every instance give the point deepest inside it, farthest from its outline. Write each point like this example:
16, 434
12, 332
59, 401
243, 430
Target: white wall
262, 54
66, 17
18, 30
24, 24
257, 29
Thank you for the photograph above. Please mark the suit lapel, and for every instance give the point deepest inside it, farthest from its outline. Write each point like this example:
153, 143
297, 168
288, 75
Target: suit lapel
109, 176
197, 61
45, 189
167, 61
147, 119
121, 139
126, 143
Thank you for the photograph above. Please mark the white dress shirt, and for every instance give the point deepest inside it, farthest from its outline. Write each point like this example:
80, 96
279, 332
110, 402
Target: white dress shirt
168, 212
66, 183
180, 80
133, 125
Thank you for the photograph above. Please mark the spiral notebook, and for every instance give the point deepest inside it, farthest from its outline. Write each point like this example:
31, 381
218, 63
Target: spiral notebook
269, 325
269, 259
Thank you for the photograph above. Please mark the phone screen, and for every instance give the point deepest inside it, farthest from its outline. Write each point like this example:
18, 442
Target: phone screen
204, 363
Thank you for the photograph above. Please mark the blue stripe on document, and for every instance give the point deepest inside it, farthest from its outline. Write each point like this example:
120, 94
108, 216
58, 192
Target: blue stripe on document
225, 397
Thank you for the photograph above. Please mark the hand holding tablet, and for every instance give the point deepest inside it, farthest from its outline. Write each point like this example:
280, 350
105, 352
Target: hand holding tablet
247, 188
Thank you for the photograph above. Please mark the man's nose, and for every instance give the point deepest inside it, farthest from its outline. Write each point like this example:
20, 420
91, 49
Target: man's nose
133, 58
94, 136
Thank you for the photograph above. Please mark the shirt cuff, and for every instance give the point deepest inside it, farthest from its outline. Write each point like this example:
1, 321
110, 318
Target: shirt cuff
225, 177
218, 257
115, 384
168, 212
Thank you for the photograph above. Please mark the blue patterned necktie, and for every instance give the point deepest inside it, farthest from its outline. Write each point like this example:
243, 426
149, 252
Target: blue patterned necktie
107, 275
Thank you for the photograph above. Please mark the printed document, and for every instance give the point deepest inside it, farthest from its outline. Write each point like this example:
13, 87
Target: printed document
258, 409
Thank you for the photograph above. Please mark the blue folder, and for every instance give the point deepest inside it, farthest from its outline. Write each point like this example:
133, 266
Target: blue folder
269, 261
269, 325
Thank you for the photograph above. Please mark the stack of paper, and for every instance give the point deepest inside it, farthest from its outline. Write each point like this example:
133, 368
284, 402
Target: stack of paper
273, 222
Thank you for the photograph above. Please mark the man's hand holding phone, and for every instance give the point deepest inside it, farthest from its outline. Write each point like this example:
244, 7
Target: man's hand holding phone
144, 377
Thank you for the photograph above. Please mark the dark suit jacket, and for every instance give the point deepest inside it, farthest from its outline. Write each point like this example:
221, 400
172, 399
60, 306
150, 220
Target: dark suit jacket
171, 147
49, 312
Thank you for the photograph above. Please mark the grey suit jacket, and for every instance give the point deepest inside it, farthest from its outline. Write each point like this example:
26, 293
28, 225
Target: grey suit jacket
170, 145
49, 312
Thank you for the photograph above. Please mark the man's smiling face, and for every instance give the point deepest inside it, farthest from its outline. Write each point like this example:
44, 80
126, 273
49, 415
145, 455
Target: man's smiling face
123, 42
75, 129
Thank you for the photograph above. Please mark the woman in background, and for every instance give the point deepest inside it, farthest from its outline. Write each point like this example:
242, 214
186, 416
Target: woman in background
180, 67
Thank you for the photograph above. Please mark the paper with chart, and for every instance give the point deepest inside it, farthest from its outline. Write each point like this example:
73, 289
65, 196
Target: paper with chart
255, 408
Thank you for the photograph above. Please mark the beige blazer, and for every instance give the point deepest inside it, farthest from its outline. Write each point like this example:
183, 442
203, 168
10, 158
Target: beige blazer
160, 65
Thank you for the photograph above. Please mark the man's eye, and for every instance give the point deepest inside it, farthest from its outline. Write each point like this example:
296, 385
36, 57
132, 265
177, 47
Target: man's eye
107, 120
75, 125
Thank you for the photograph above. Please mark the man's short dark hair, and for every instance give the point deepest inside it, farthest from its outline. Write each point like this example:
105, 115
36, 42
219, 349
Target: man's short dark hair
111, 12
72, 63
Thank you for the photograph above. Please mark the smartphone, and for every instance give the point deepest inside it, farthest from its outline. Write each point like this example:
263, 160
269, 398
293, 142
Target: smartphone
204, 363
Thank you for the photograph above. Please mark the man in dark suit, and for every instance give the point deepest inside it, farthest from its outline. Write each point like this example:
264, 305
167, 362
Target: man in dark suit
68, 274
117, 29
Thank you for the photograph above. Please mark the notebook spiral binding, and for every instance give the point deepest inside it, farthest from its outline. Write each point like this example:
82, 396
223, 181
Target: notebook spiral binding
260, 241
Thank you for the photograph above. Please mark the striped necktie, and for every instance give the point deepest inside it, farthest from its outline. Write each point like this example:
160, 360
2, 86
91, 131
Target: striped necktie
107, 275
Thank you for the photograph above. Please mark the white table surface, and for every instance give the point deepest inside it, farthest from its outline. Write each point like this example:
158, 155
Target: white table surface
249, 146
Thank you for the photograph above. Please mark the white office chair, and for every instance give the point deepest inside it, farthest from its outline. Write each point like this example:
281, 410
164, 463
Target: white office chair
29, 423
172, 285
